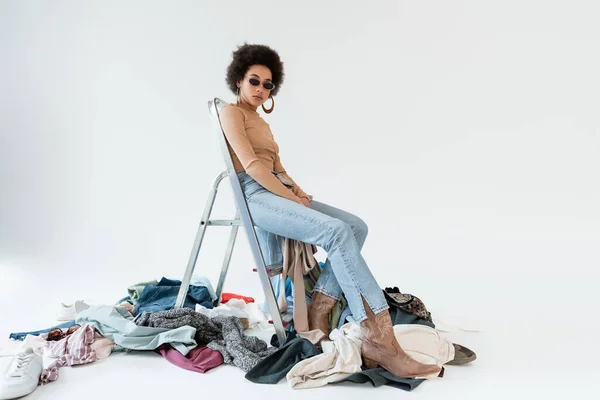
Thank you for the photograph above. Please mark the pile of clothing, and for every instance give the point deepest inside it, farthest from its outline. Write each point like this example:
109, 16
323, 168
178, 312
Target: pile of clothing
201, 336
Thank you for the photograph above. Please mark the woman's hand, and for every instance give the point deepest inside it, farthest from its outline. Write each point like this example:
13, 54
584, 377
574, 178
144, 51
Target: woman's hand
305, 201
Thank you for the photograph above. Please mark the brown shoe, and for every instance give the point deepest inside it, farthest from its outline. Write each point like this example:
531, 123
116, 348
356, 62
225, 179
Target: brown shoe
380, 347
318, 312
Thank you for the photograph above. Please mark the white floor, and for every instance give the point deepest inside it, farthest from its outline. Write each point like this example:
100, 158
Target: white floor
469, 145
514, 360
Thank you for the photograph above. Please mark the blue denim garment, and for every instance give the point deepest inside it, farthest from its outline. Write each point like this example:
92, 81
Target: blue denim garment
270, 247
271, 252
340, 233
21, 335
163, 296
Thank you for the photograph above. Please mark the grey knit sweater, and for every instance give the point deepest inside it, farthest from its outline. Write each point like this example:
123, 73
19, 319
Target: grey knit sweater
223, 334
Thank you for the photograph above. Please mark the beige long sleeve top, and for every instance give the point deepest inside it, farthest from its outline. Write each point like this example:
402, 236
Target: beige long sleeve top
253, 149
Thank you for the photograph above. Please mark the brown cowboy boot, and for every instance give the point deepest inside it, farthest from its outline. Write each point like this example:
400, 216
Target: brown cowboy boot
318, 312
380, 347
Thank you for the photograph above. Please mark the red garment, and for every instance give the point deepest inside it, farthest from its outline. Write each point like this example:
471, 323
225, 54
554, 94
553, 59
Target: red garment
225, 297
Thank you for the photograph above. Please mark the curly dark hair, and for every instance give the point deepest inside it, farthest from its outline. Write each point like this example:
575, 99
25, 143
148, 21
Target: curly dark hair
248, 55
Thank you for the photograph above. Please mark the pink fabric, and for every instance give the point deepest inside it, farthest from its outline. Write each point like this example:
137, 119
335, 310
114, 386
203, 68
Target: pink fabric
102, 346
199, 359
73, 350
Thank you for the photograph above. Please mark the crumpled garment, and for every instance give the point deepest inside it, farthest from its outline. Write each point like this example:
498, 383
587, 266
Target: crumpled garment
102, 346
379, 377
245, 352
74, 349
298, 260
223, 334
200, 359
163, 295
341, 358
117, 324
276, 366
37, 343
207, 329
238, 308
136, 290
204, 281
222, 311
424, 344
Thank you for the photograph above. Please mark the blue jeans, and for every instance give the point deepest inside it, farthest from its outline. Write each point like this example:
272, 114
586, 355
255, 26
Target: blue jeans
22, 335
338, 232
162, 297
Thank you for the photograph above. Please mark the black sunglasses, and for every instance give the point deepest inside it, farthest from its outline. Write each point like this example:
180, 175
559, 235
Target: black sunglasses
266, 85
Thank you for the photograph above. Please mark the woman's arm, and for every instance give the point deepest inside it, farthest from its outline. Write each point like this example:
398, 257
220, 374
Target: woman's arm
296, 189
232, 121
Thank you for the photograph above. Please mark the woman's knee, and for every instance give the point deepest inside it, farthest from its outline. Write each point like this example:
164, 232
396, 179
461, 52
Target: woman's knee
360, 227
339, 229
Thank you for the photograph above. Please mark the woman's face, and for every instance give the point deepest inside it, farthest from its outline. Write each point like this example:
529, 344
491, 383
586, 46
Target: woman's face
255, 95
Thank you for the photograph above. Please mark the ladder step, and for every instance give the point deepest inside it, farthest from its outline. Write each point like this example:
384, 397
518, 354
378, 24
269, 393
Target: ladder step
224, 222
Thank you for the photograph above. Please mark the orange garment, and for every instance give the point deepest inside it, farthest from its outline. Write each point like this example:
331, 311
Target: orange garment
253, 149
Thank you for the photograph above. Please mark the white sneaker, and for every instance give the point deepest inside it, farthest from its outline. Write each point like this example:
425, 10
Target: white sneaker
21, 376
68, 312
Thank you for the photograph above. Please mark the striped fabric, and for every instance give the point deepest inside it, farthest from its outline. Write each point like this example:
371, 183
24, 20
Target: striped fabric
73, 350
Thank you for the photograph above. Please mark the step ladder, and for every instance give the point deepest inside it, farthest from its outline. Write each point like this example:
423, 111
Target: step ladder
242, 218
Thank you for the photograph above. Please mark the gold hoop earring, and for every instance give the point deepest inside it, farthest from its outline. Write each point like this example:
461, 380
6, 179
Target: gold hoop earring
270, 110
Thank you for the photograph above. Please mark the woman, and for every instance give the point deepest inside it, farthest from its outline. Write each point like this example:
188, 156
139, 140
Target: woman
255, 76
